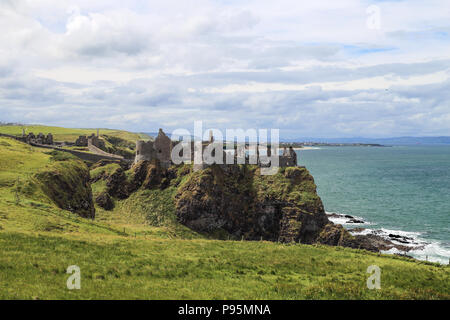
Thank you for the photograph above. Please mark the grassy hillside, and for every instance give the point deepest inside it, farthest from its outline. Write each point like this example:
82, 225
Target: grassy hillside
69, 134
121, 267
116, 141
139, 251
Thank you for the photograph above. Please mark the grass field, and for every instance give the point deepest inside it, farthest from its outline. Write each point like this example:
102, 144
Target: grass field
69, 134
124, 267
123, 256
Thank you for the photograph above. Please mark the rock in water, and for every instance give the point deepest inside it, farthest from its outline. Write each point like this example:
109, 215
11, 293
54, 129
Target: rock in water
353, 220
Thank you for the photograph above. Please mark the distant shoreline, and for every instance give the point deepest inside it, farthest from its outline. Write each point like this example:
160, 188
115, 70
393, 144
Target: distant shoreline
316, 145
305, 148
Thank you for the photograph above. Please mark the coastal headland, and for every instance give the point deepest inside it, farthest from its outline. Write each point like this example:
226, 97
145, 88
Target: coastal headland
141, 229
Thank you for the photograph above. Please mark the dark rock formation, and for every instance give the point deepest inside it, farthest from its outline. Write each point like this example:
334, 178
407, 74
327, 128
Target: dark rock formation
239, 200
383, 242
147, 174
67, 184
353, 220
105, 201
116, 184
336, 235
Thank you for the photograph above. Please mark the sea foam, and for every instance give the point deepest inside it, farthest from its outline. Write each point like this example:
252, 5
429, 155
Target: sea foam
421, 249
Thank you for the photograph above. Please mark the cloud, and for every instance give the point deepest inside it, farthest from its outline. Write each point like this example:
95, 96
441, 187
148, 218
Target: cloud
308, 68
98, 35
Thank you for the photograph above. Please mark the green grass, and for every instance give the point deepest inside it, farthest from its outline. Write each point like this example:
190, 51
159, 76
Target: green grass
117, 142
124, 255
70, 134
106, 169
138, 268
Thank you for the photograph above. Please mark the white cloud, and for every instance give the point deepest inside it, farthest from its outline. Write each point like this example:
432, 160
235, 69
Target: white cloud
311, 67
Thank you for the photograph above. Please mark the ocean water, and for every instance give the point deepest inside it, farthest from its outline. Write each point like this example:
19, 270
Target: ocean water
403, 190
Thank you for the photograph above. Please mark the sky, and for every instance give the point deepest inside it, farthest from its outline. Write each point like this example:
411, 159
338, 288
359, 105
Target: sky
317, 68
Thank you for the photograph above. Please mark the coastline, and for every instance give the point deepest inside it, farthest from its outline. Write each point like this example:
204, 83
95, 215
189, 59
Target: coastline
377, 184
306, 148
404, 243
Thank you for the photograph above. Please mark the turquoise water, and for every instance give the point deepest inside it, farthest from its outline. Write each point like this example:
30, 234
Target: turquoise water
404, 189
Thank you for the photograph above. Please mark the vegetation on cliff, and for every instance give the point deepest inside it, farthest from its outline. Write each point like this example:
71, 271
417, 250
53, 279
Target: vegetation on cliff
232, 202
244, 203
67, 184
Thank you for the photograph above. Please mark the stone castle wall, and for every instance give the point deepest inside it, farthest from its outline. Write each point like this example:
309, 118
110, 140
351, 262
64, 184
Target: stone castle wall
161, 149
144, 151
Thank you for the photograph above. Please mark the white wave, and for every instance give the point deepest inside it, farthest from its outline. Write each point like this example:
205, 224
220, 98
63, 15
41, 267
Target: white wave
341, 219
411, 237
421, 249
433, 252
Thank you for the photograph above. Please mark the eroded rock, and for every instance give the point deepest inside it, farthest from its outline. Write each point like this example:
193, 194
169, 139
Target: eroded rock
105, 201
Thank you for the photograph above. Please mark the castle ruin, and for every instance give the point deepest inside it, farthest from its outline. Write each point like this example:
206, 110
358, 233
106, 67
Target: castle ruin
39, 139
94, 140
161, 149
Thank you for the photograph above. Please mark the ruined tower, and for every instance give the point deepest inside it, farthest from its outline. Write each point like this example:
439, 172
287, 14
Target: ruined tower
163, 148
144, 151
160, 149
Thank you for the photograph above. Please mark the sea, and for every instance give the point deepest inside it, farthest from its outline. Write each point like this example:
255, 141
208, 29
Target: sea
400, 190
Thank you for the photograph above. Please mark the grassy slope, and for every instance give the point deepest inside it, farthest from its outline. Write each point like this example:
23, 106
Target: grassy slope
120, 257
116, 141
68, 134
124, 267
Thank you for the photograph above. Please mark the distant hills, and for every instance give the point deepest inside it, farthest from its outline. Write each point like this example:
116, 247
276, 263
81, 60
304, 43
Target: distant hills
444, 140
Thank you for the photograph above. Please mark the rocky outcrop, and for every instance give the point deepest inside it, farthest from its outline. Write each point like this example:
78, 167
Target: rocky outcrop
116, 184
237, 200
122, 181
146, 174
67, 184
105, 201
335, 235
283, 207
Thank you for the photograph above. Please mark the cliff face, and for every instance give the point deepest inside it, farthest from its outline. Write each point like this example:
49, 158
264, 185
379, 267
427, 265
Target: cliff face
67, 184
237, 202
243, 203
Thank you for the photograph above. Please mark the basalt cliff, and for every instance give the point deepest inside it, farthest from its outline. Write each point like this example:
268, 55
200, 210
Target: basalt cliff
234, 202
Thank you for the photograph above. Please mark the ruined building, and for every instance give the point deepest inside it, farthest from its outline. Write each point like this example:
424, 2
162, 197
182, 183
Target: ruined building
93, 139
96, 141
40, 138
162, 147
289, 158
81, 141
